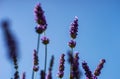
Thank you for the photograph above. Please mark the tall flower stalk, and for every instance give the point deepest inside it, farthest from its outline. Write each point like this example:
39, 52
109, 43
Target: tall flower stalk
45, 41
73, 35
40, 28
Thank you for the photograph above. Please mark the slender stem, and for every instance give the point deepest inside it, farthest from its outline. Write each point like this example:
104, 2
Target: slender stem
33, 74
71, 63
38, 42
44, 33
45, 58
72, 51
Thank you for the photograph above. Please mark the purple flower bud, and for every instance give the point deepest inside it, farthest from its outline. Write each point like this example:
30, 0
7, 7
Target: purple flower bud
45, 40
72, 44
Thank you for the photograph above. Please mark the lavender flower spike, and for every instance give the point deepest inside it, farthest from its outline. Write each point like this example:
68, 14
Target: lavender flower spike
88, 73
39, 15
76, 69
42, 74
40, 19
61, 66
49, 76
74, 28
99, 67
35, 67
23, 75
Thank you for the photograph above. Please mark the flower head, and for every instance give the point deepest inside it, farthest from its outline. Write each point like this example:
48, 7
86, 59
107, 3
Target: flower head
74, 28
88, 73
45, 40
40, 28
99, 67
35, 68
61, 66
76, 66
39, 15
72, 44
35, 58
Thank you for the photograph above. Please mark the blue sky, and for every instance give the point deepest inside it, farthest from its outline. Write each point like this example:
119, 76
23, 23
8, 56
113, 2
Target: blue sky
98, 36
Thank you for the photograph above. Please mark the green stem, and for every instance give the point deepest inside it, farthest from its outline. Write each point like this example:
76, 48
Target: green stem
71, 63
38, 42
45, 58
33, 74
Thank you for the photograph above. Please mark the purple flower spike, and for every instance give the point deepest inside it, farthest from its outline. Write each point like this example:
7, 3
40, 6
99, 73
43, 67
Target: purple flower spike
99, 68
35, 58
74, 28
39, 15
88, 73
49, 76
45, 40
40, 28
42, 74
61, 66
76, 66
75, 71
23, 75
72, 44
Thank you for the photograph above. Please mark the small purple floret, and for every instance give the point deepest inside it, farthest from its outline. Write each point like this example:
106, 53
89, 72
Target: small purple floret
45, 40
72, 44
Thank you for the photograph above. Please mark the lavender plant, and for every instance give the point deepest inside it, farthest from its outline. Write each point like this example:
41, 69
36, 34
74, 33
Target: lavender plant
73, 57
12, 47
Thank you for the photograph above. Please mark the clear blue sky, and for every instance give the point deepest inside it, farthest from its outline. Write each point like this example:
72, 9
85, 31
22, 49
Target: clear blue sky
98, 36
